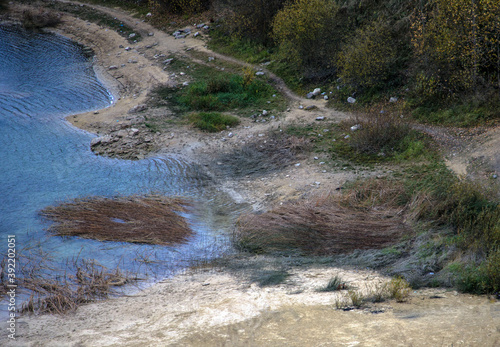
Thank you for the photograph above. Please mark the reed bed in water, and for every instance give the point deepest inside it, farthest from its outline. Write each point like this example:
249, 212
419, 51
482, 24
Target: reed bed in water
318, 226
138, 219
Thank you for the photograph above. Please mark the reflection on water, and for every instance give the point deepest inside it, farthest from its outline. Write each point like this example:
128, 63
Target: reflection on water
45, 160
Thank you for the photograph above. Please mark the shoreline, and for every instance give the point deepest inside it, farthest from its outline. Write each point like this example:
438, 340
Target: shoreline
220, 305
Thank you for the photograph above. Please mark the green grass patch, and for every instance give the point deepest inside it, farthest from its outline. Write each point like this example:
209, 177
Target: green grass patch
212, 121
375, 141
213, 90
240, 48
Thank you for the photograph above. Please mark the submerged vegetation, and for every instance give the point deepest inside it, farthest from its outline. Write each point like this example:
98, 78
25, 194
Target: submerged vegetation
150, 219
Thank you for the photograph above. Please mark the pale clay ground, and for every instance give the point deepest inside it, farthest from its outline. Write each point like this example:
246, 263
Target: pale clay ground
214, 307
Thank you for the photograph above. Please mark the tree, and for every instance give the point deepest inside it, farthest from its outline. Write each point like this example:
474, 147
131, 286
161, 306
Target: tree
457, 42
307, 33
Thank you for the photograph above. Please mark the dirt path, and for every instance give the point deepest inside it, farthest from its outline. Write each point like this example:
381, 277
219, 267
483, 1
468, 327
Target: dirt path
224, 306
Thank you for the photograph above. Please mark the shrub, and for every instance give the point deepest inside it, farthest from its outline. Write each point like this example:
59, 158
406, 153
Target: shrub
252, 19
3, 5
356, 297
212, 121
383, 135
306, 32
37, 19
399, 289
365, 61
183, 6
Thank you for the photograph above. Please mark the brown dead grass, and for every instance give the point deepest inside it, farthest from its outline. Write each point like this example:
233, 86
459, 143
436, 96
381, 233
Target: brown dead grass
146, 219
319, 226
260, 157
89, 283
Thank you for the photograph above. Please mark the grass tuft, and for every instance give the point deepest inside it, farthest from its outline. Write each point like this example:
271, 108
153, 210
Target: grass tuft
271, 278
212, 121
334, 284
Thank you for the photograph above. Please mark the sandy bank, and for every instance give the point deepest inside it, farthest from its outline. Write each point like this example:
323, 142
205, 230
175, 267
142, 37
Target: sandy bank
224, 305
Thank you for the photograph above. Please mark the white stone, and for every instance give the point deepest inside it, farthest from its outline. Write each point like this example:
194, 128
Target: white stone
356, 127
351, 100
393, 99
316, 91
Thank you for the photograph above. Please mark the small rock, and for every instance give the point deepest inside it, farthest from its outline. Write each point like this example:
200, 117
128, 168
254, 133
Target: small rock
259, 73
151, 34
134, 131
149, 14
211, 58
356, 127
309, 95
95, 141
128, 48
230, 135
301, 107
346, 137
311, 107
196, 34
351, 100
113, 67
494, 176
138, 108
393, 99
96, 112
132, 35
316, 91
297, 165
325, 97
122, 133
264, 112
316, 158
320, 118
185, 83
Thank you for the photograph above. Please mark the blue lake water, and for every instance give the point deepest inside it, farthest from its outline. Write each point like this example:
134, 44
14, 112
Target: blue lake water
45, 160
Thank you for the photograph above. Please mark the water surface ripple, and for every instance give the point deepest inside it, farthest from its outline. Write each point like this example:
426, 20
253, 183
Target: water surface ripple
45, 160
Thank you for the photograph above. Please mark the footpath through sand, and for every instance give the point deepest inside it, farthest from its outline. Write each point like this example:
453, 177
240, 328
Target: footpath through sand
223, 305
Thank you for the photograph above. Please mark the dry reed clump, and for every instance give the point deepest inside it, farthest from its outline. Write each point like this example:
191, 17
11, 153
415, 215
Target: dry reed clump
319, 226
262, 157
147, 219
41, 18
376, 193
379, 133
89, 283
